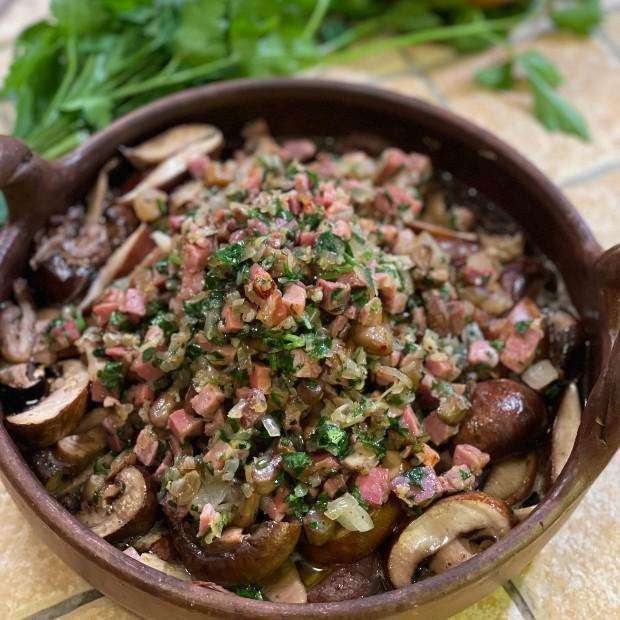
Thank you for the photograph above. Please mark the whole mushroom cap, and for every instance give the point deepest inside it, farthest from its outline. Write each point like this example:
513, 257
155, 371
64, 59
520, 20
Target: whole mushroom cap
506, 417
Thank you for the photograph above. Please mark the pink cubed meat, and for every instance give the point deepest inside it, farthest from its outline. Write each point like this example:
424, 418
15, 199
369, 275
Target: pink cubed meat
481, 353
295, 299
335, 295
133, 303
260, 377
207, 402
475, 459
206, 518
146, 446
438, 431
182, 424
374, 487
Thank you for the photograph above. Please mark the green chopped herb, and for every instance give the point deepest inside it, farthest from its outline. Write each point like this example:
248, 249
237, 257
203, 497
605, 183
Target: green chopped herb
521, 327
358, 496
331, 437
111, 375
296, 461
416, 475
249, 592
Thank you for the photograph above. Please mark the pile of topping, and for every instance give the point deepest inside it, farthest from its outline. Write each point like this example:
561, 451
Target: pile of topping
292, 346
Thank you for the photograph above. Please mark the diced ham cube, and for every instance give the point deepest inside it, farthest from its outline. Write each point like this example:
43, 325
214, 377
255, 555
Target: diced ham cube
232, 321
195, 257
307, 238
117, 353
273, 310
525, 310
392, 161
103, 311
374, 487
519, 351
206, 518
438, 431
295, 299
146, 446
146, 370
394, 301
301, 150
441, 366
305, 366
215, 423
475, 459
339, 327
182, 424
324, 463
133, 303
335, 295
426, 488
458, 478
409, 420
208, 401
260, 281
481, 353
158, 474
255, 405
424, 393
393, 199
332, 486
342, 229
276, 507
260, 377
97, 392
140, 393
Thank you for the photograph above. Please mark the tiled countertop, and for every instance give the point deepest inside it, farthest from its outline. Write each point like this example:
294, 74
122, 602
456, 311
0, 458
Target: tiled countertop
576, 575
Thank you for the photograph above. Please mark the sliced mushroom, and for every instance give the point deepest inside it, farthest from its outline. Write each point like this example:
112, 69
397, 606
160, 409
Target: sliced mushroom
233, 563
169, 170
505, 418
443, 522
21, 385
167, 143
565, 339
353, 581
121, 262
285, 585
454, 553
127, 507
82, 449
17, 325
521, 514
349, 547
56, 415
97, 196
565, 428
512, 479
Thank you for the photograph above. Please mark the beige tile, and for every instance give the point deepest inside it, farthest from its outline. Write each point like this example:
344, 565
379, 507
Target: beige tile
430, 55
380, 64
611, 28
31, 577
21, 13
496, 606
576, 575
592, 84
101, 609
410, 85
339, 74
598, 201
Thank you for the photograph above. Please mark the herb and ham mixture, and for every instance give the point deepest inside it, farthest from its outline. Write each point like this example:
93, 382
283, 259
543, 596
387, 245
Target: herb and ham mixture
290, 355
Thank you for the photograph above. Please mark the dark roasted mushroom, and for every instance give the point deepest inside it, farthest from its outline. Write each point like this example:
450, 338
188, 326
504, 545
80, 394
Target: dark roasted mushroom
506, 417
232, 563
21, 385
350, 547
126, 507
363, 578
57, 414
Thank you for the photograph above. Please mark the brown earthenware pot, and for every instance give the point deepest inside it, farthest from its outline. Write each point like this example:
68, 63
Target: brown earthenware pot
36, 188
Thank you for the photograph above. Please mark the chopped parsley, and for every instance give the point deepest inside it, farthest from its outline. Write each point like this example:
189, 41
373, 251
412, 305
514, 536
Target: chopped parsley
111, 375
331, 437
249, 592
521, 327
296, 461
416, 475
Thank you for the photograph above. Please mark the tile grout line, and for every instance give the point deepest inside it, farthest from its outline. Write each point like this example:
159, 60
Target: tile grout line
67, 606
425, 78
590, 175
519, 602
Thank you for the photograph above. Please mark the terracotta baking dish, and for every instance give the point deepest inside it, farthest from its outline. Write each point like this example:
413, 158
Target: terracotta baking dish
36, 188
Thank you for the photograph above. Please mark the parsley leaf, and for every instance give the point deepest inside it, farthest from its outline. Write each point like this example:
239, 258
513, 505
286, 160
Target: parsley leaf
583, 17
331, 437
296, 461
249, 592
521, 327
496, 77
111, 375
